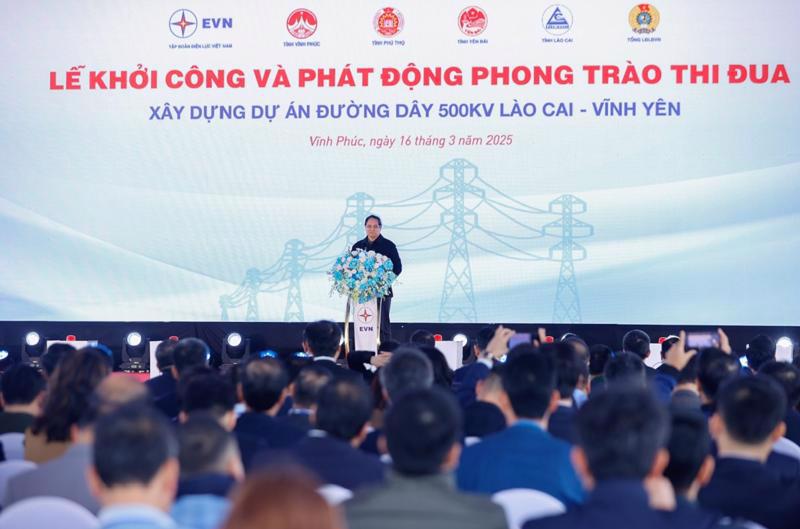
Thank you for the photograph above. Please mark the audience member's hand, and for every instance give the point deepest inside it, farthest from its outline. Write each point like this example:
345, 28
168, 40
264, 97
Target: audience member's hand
381, 359
660, 493
541, 337
498, 345
677, 356
724, 342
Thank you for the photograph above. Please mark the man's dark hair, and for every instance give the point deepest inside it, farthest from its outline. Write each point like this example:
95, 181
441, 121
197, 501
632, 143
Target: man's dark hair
667, 344
751, 407
713, 368
569, 367
408, 369
689, 445
377, 218
599, 356
760, 350
208, 392
690, 372
204, 445
323, 337
421, 428
625, 369
296, 362
442, 374
529, 380
620, 431
263, 381
423, 337
788, 376
484, 336
131, 444
189, 353
343, 408
637, 342
53, 356
21, 384
164, 354
308, 384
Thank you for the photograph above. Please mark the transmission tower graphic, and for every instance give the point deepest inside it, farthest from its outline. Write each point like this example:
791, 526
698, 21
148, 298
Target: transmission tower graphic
567, 306
458, 297
459, 215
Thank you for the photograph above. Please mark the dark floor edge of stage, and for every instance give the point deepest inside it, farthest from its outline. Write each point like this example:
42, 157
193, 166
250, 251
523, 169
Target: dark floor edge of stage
286, 337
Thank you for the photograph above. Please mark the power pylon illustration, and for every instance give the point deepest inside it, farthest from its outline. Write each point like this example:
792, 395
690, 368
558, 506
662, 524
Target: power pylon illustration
458, 296
444, 214
295, 258
567, 305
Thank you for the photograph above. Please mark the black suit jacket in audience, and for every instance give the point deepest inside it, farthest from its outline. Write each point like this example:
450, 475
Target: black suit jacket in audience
162, 385
482, 419
562, 423
336, 370
792, 421
14, 422
334, 461
300, 419
748, 489
621, 504
258, 431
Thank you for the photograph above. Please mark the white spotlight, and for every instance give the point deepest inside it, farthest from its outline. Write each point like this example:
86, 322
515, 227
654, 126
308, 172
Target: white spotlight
134, 339
3, 354
32, 339
461, 338
234, 339
784, 349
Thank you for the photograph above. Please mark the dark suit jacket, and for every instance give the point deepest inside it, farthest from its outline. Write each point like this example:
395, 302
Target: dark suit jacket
562, 423
429, 502
521, 456
748, 489
623, 504
334, 461
336, 370
792, 421
162, 385
465, 379
482, 419
14, 422
301, 421
258, 431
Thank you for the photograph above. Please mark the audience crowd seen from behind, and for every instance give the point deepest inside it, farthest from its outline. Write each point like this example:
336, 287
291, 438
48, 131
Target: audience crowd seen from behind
564, 434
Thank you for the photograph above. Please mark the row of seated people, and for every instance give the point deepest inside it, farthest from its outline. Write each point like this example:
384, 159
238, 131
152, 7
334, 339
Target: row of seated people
406, 442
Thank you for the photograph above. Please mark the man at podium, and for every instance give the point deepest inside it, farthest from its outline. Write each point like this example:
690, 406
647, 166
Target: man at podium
377, 243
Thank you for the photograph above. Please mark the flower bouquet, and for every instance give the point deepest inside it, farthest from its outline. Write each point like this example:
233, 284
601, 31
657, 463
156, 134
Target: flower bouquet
361, 275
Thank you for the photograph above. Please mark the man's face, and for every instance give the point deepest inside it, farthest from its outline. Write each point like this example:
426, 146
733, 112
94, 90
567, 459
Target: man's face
373, 229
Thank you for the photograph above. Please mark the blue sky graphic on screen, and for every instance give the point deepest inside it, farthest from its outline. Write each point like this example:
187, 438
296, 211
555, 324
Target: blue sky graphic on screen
595, 162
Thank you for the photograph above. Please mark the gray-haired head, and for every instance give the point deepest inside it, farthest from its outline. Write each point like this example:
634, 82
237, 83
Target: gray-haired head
408, 369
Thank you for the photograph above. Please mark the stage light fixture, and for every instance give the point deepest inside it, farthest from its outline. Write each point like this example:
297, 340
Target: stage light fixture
135, 357
235, 349
784, 349
32, 349
3, 354
234, 339
32, 339
134, 339
461, 338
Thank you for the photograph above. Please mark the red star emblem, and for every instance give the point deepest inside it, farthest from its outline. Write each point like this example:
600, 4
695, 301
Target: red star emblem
183, 23
365, 315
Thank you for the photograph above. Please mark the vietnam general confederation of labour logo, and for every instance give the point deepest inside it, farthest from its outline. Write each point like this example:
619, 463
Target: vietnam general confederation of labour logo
301, 23
183, 23
644, 18
388, 21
